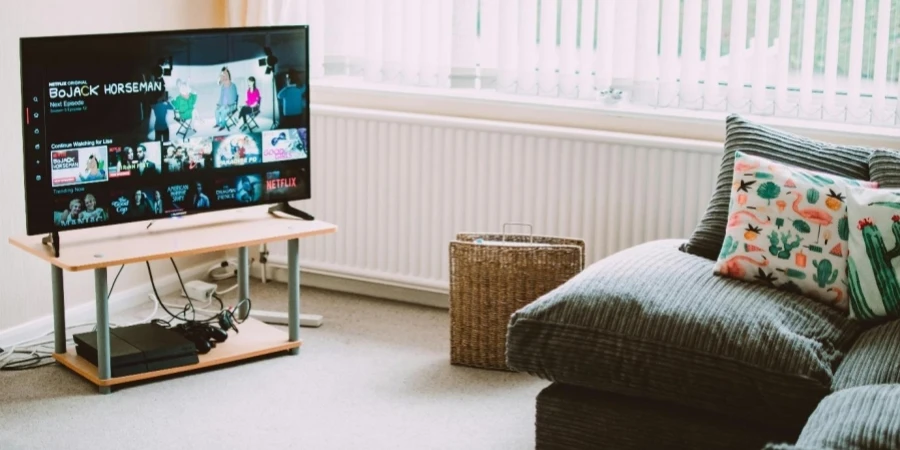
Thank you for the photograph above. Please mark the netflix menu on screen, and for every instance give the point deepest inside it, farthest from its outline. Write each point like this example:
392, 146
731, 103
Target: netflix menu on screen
129, 127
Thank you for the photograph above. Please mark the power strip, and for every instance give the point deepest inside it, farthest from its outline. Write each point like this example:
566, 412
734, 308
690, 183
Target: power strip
153, 298
199, 290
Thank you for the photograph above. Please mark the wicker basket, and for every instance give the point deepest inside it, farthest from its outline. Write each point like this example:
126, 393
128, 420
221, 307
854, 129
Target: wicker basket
489, 282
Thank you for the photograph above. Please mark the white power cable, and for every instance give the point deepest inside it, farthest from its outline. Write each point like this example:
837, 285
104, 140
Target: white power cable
149, 316
32, 346
211, 312
225, 291
223, 271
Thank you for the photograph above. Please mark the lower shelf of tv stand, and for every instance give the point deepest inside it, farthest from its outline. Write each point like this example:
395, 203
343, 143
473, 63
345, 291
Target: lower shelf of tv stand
255, 339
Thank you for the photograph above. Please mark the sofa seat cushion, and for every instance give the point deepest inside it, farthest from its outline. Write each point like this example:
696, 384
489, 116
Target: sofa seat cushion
862, 418
873, 359
654, 322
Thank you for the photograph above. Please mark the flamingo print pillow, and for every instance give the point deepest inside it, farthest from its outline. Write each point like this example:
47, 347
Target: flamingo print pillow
788, 228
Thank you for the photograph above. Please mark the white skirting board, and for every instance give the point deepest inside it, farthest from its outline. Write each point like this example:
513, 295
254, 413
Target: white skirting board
356, 285
121, 300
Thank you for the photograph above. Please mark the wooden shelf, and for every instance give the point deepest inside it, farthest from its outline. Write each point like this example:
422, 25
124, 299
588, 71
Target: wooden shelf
255, 339
103, 247
128, 243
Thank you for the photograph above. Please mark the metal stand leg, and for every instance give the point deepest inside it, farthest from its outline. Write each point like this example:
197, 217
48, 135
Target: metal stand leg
293, 260
243, 276
100, 291
59, 310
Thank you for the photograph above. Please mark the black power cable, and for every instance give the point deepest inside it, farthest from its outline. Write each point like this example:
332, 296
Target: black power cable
31, 362
223, 311
159, 298
116, 278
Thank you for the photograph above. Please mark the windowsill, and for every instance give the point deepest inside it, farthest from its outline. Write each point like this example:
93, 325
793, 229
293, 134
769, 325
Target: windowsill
584, 114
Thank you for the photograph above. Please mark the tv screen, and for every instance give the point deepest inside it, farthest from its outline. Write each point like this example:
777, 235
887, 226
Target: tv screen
133, 127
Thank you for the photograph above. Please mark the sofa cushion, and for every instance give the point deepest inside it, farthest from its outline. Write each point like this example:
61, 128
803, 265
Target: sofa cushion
872, 276
655, 322
873, 359
788, 148
884, 167
788, 227
864, 418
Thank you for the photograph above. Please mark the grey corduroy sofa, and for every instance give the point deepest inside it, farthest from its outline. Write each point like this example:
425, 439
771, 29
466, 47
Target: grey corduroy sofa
648, 348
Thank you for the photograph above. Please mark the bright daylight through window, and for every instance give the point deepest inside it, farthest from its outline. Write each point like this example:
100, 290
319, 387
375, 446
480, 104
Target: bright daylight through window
833, 60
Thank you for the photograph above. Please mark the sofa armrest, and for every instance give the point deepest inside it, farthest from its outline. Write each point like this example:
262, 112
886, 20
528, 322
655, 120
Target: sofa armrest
862, 418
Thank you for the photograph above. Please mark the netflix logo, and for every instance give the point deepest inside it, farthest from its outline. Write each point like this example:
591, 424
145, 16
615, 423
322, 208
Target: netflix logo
290, 184
281, 183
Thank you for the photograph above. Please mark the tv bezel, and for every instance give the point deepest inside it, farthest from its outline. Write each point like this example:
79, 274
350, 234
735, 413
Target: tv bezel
41, 228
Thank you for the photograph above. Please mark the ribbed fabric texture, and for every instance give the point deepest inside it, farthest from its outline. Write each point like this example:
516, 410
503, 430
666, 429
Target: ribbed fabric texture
860, 418
655, 322
884, 167
873, 359
780, 146
574, 418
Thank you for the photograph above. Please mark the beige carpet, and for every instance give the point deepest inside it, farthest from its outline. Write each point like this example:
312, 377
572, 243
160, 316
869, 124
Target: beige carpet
375, 376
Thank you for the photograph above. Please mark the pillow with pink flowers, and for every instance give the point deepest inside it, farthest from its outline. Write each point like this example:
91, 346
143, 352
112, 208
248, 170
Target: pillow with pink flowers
788, 228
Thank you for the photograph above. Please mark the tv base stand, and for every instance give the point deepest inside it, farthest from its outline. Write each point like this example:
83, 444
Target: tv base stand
287, 209
53, 241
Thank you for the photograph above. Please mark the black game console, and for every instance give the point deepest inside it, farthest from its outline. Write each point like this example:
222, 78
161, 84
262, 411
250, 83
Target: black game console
139, 348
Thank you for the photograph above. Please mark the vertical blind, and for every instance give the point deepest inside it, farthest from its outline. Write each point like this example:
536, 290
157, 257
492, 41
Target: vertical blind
835, 60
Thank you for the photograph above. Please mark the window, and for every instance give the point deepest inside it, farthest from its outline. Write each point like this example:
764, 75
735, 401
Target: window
836, 60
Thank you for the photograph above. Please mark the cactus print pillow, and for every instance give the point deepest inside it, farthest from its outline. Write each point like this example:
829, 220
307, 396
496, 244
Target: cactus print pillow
872, 268
788, 228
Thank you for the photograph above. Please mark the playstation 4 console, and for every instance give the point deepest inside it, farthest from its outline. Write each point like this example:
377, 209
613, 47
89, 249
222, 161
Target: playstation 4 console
139, 348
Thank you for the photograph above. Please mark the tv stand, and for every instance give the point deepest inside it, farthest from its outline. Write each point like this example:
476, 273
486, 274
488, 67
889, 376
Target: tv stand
53, 241
286, 208
98, 249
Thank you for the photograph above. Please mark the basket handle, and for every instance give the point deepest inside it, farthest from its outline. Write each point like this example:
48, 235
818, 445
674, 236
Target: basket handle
530, 230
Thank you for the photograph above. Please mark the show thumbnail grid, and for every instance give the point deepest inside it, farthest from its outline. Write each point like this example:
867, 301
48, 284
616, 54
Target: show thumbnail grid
87, 180
191, 155
135, 160
239, 190
79, 205
285, 145
141, 203
236, 150
78, 166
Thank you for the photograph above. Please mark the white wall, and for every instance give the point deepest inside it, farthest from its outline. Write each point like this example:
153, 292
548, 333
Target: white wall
24, 281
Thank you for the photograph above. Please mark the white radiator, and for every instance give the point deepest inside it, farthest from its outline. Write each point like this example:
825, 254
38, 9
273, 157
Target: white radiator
400, 186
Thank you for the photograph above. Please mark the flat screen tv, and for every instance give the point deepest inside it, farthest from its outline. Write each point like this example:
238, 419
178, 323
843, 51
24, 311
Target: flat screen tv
139, 126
